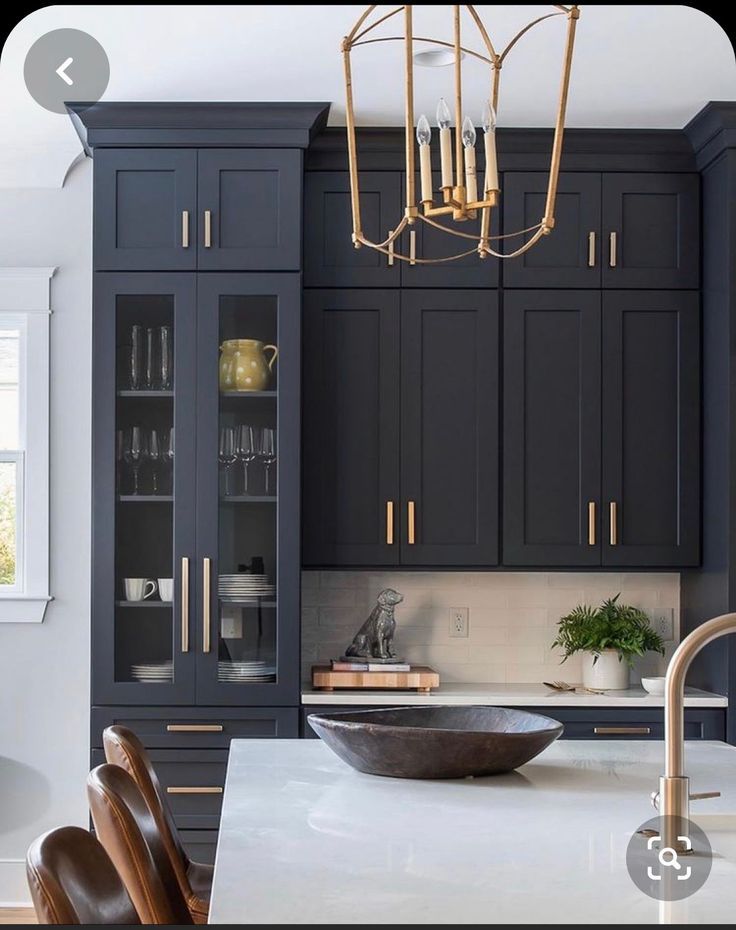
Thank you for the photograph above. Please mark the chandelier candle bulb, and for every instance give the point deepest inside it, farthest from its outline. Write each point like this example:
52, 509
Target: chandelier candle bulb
443, 121
424, 137
471, 180
489, 139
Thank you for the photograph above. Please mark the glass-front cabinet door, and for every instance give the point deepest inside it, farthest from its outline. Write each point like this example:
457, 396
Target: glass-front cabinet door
144, 481
248, 441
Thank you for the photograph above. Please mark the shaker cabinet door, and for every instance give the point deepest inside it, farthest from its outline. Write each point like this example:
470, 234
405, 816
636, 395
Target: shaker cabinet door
449, 428
651, 428
145, 203
330, 258
351, 428
651, 234
570, 256
250, 210
552, 428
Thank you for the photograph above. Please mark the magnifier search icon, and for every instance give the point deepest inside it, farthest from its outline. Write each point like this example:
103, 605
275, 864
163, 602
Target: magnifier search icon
668, 856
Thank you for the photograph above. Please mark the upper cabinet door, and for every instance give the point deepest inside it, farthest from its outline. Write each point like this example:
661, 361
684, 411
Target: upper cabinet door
570, 256
330, 258
449, 428
651, 431
426, 241
351, 428
250, 210
145, 204
552, 428
651, 230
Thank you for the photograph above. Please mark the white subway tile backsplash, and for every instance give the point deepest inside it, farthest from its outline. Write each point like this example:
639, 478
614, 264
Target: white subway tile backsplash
513, 617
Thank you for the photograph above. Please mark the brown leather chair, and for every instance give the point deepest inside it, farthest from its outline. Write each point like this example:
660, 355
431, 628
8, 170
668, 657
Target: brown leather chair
73, 881
126, 828
123, 748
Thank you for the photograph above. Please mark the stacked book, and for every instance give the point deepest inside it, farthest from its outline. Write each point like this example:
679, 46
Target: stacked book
340, 666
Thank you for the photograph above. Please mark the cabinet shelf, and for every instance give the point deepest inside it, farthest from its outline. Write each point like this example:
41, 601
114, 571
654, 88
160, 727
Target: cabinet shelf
148, 603
248, 499
249, 394
248, 602
145, 498
148, 394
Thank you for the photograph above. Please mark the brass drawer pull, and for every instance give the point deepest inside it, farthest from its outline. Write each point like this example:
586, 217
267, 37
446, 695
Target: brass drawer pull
612, 249
194, 789
413, 247
208, 229
389, 523
206, 599
185, 229
194, 728
591, 523
613, 518
411, 517
391, 250
591, 249
622, 731
185, 604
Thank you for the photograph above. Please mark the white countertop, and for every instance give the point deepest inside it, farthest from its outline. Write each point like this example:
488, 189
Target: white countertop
517, 695
306, 839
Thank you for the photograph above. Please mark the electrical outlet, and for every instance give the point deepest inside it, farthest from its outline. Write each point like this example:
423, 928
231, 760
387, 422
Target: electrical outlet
231, 624
459, 621
663, 622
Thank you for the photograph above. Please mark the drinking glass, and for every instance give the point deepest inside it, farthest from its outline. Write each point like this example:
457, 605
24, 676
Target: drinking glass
168, 458
247, 448
150, 359
134, 453
268, 455
165, 357
135, 374
155, 457
227, 455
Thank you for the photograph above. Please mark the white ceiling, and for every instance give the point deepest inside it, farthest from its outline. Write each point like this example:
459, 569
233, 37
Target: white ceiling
634, 66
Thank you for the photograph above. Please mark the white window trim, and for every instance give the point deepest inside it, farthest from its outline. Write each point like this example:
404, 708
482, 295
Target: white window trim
25, 295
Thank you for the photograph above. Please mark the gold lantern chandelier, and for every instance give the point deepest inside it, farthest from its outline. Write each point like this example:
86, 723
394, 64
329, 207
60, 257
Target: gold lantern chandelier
459, 197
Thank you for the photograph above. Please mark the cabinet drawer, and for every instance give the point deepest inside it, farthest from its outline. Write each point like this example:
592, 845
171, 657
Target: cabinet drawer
197, 727
193, 780
200, 845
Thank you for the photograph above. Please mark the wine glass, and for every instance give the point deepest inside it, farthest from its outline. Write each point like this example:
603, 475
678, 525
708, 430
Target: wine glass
227, 454
134, 453
168, 457
165, 357
155, 457
136, 358
247, 450
268, 454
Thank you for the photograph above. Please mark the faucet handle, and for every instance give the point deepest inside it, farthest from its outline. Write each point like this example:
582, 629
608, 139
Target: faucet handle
704, 795
654, 798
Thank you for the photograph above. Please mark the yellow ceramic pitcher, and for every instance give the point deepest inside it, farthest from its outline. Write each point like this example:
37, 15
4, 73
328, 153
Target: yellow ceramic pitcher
243, 365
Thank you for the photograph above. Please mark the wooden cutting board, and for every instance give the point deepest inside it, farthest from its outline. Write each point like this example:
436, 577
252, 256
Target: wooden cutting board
420, 678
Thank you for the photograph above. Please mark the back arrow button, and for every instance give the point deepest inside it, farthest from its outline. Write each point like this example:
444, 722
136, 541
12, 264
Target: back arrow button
61, 71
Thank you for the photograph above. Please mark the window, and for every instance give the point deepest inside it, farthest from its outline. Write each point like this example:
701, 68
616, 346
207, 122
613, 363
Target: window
24, 453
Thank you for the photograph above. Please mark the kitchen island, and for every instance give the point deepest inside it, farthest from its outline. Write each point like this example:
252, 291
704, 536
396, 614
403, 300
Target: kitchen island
306, 839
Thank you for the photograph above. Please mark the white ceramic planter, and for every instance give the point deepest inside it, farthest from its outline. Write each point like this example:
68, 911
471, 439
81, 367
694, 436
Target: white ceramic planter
607, 673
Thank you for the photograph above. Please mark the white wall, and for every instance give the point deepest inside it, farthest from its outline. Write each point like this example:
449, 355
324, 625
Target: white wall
44, 668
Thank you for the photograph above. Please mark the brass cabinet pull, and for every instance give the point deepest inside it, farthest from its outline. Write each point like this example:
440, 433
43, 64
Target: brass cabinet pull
613, 520
412, 247
194, 789
591, 249
207, 229
389, 523
591, 523
185, 604
391, 250
411, 517
194, 728
622, 731
185, 229
206, 574
612, 250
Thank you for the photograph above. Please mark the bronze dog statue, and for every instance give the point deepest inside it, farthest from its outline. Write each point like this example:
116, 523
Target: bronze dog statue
373, 640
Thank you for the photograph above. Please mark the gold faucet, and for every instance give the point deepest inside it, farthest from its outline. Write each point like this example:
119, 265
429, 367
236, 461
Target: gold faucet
673, 798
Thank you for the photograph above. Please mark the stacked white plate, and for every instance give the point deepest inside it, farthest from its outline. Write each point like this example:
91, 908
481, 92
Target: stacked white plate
152, 671
228, 670
242, 587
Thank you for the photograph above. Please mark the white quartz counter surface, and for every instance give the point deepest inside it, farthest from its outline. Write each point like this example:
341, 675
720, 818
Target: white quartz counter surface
517, 695
306, 839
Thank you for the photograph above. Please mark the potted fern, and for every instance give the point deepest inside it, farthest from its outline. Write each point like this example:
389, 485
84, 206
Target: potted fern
609, 637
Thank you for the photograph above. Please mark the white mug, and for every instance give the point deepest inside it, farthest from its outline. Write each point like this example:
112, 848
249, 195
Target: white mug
166, 589
139, 589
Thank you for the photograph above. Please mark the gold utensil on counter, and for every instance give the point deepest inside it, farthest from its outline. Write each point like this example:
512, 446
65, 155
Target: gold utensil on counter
564, 686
